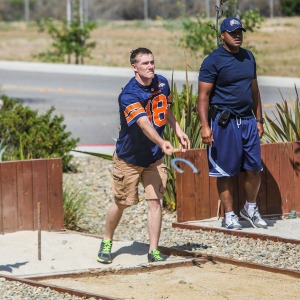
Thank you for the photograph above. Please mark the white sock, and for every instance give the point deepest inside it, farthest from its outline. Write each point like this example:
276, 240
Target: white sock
249, 206
229, 214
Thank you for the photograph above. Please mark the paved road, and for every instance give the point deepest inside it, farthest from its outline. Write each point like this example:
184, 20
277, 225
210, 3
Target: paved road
87, 95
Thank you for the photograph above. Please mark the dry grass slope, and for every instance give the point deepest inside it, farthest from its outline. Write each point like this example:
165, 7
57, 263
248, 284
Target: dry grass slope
277, 43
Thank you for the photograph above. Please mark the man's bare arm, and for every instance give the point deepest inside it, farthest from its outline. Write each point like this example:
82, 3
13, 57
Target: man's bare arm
152, 134
204, 91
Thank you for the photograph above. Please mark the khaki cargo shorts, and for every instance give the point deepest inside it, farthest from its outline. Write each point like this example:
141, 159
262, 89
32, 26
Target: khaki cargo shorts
126, 178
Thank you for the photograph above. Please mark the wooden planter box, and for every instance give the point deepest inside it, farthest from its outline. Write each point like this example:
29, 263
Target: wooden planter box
23, 184
197, 196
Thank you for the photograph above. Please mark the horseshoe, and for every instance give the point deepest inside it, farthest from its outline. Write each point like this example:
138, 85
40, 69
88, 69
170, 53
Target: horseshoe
191, 165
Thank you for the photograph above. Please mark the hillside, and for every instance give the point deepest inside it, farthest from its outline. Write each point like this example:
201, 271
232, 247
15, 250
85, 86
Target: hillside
277, 44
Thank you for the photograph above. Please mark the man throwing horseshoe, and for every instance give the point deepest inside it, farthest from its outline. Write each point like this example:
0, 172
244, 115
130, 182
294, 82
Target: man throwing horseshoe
144, 112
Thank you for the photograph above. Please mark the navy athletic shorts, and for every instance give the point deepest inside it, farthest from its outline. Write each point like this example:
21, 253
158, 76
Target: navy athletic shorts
236, 147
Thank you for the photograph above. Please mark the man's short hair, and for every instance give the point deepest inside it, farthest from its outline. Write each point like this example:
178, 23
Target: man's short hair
135, 53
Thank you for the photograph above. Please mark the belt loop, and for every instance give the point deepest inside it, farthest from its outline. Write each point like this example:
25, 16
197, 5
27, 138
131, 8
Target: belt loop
238, 121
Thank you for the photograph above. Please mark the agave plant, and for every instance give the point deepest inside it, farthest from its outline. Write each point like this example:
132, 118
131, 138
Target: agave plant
184, 111
285, 126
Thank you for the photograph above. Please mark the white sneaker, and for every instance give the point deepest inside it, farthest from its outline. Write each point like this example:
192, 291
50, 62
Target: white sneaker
254, 217
232, 222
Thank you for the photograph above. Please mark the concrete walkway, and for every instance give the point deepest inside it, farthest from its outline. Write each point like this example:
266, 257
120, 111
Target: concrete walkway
64, 252
283, 228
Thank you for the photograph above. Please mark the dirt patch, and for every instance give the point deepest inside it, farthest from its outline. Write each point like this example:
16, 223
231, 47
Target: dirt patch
205, 281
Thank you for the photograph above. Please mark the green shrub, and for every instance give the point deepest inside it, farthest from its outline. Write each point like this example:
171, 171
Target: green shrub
74, 201
27, 135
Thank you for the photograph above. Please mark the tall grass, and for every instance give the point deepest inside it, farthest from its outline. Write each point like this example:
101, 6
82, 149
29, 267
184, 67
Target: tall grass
74, 201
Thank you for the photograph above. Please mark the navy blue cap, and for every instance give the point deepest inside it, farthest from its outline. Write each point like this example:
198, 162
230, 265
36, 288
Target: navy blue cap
231, 24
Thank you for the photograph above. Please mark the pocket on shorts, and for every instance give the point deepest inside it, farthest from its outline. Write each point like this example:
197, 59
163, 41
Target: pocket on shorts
118, 184
164, 178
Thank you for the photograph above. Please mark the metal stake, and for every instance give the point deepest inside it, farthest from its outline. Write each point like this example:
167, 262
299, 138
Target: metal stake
39, 231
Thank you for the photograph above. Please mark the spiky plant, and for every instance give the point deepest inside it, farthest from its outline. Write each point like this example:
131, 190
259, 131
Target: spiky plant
184, 111
285, 124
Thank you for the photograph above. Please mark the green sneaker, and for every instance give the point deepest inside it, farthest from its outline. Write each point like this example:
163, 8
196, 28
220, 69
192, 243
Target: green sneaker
104, 254
155, 256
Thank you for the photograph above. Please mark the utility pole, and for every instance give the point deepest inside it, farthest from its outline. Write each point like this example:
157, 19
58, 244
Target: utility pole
271, 8
238, 15
145, 10
207, 3
69, 17
26, 11
86, 9
81, 15
68, 12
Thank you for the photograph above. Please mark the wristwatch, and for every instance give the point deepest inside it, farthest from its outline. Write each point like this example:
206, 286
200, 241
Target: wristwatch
261, 120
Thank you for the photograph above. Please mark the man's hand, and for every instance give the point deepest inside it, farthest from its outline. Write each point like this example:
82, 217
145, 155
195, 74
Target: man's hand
167, 147
184, 141
207, 135
260, 128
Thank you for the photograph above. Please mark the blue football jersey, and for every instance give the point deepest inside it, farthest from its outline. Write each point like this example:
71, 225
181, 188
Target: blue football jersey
135, 101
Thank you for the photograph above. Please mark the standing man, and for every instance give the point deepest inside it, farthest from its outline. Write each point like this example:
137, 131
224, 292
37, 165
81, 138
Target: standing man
230, 112
144, 112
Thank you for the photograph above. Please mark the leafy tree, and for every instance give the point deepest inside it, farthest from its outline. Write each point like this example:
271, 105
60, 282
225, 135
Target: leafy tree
198, 35
290, 7
202, 36
68, 39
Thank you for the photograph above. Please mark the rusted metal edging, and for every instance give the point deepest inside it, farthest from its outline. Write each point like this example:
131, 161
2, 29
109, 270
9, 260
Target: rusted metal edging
34, 281
239, 233
189, 262
256, 266
58, 289
216, 258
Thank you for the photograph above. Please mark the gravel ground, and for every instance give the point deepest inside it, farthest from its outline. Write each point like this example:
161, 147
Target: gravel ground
13, 290
94, 181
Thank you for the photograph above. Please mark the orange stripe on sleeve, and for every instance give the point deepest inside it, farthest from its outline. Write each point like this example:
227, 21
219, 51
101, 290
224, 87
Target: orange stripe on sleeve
132, 107
134, 113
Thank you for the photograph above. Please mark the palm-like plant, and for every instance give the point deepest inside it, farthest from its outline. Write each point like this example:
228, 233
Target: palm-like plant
285, 126
184, 111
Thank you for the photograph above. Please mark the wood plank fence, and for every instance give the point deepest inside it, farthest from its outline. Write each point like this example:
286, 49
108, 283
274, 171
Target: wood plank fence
23, 184
197, 196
